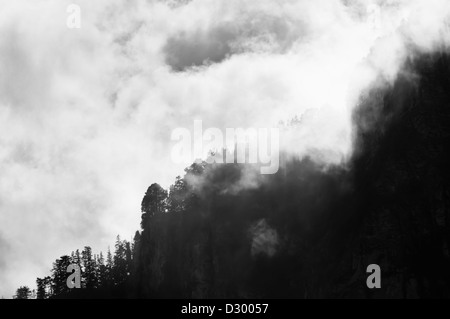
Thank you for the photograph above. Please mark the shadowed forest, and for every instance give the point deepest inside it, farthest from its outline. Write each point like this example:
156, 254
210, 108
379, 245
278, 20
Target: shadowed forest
308, 231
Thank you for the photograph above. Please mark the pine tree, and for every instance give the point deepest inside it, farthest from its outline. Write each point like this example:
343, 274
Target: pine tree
41, 288
128, 257
109, 268
23, 292
48, 284
177, 196
60, 275
78, 257
120, 262
89, 275
154, 202
101, 271
136, 253
135, 248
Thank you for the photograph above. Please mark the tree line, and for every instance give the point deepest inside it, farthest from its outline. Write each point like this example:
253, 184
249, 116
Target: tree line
97, 271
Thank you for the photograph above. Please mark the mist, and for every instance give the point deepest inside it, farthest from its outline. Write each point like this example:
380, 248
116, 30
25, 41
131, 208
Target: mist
86, 114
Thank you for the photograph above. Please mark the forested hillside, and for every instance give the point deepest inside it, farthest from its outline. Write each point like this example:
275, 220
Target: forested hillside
308, 231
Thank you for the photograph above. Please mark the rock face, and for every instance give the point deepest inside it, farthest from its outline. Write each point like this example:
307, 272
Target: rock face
311, 231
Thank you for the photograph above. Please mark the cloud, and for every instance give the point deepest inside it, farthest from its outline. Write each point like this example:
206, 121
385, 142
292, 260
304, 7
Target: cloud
197, 49
86, 114
264, 239
259, 32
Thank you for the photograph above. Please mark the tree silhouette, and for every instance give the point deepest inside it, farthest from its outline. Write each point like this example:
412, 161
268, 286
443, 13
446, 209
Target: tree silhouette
154, 202
60, 275
101, 271
120, 270
109, 268
41, 288
23, 292
89, 275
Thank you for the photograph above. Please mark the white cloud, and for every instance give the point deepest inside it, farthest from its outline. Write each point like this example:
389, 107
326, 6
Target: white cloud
86, 114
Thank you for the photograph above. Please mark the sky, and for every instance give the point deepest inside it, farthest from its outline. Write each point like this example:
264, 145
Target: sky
86, 114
